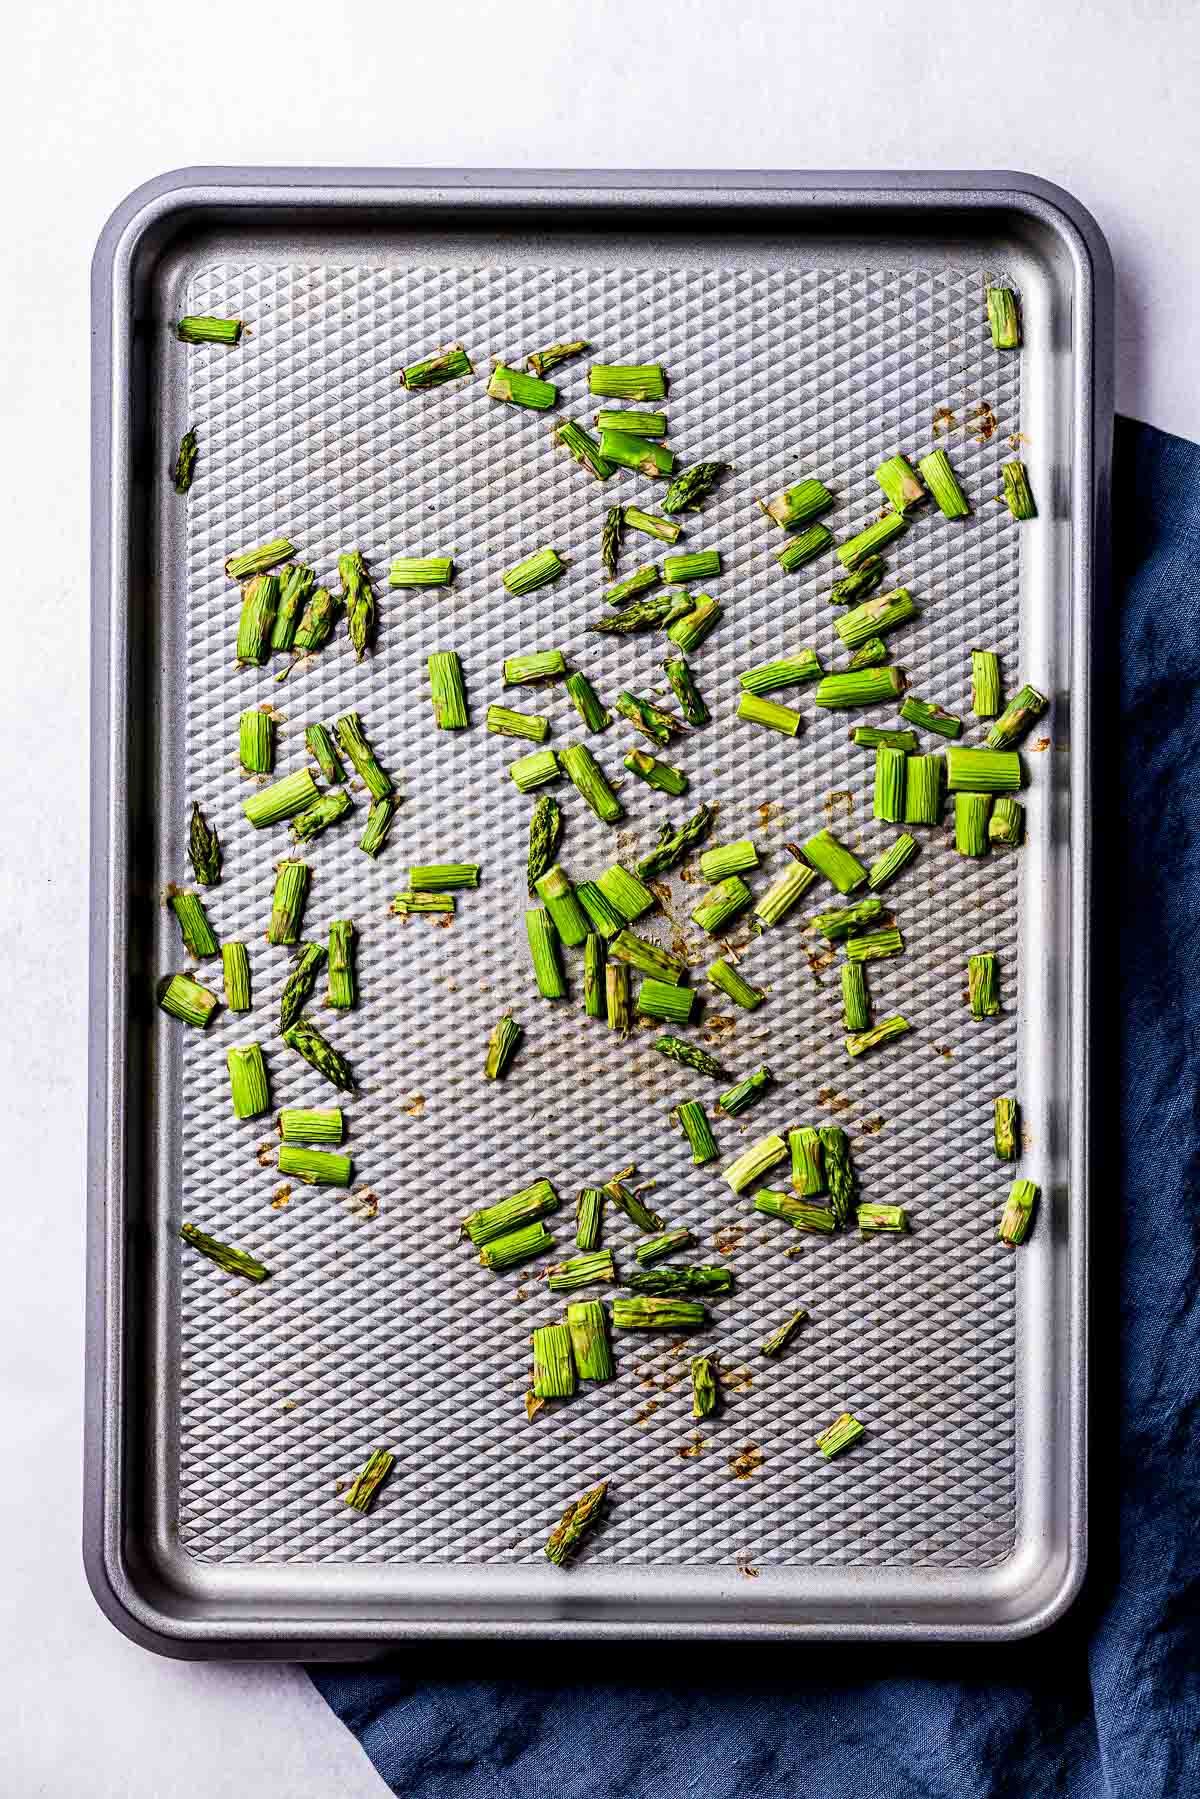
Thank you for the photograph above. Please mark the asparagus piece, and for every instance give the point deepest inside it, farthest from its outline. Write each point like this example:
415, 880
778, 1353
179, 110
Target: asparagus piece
866, 577
744, 1094
511, 1213
359, 601
257, 562
588, 778
589, 1214
583, 447
520, 389
839, 1435
650, 525
593, 976
558, 897
315, 1167
643, 615
185, 462
839, 1171
1018, 1213
796, 505
296, 590
728, 859
442, 366
543, 950
535, 571
808, 1174
870, 654
502, 1047
320, 746
969, 770
801, 1214
923, 790
319, 1053
539, 665
868, 738
720, 904
885, 868
361, 756
1004, 1129
404, 905
259, 602
658, 1314
789, 671
625, 893
204, 849
803, 547
182, 997
587, 702
540, 362
859, 687
545, 830
1017, 491
248, 1081
228, 1259
692, 1120
534, 770
754, 1162
610, 539
316, 622
684, 688
943, 484
776, 1344
587, 1322
196, 329
704, 1385
236, 968
198, 936
628, 381
655, 1248
421, 571
446, 691
648, 958
642, 454
317, 818
835, 861
971, 823
640, 581
361, 1494
878, 1219
688, 491
876, 946
986, 698
757, 711
875, 617
844, 921
725, 976
856, 551
659, 775
674, 844
298, 987
666, 1282
517, 1247
343, 983
890, 772
665, 1001
505, 723
859, 1042
783, 894
296, 1125
1018, 716
1002, 318
900, 485
443, 877
627, 1201
632, 422
573, 1526
931, 717
694, 565
1007, 822
983, 986
581, 1271
689, 1056
616, 997
688, 632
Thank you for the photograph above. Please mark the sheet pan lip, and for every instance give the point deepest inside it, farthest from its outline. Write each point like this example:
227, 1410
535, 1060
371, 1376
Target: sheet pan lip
173, 196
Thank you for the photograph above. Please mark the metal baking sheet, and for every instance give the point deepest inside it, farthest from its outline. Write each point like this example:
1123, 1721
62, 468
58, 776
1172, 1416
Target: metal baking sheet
810, 324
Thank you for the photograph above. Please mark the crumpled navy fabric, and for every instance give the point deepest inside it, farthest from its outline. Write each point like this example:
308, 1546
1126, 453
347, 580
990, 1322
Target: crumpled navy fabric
1106, 1704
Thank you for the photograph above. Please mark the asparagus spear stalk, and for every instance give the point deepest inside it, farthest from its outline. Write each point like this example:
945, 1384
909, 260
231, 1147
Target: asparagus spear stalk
859, 687
1018, 1214
839, 1171
629, 1202
789, 671
535, 571
694, 565
534, 770
835, 861
859, 1042
259, 603
754, 1162
890, 769
659, 1314
317, 818
589, 1215
798, 504
502, 1047
744, 1094
655, 1248
692, 1120
969, 770
688, 491
665, 1001
228, 1259
659, 775
321, 1125
361, 1494
610, 539
182, 997
298, 987
625, 893
856, 1004
361, 756
235, 964
315, 1167
257, 562
539, 665
684, 688
616, 997
985, 683
782, 895
1007, 822
1003, 322
728, 859
588, 778
704, 1385
813, 541
885, 868
689, 1056
204, 849
1004, 1129
637, 424
540, 362
688, 632
672, 844
510, 1214
587, 1322
1018, 716
899, 482
421, 571
581, 1271
844, 921
801, 1214
808, 1173
579, 1517
343, 984
520, 389
543, 950
198, 936
650, 525
593, 976
875, 617
640, 581
720, 904
433, 371
196, 329
185, 462
971, 823
628, 381
405, 905
942, 483
316, 622
650, 614
983, 986
248, 1081
870, 654
505, 723
1017, 491
669, 1281
583, 447
876, 946
865, 578
319, 1053
642, 454
868, 738
587, 702
776, 1344
931, 717
296, 589
866, 545
839, 1435
648, 958
545, 830
320, 746
923, 790
517, 1247
756, 711
558, 896
725, 976
446, 691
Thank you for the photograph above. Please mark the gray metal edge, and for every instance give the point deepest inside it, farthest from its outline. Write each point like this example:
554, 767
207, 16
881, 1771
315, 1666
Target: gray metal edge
114, 1582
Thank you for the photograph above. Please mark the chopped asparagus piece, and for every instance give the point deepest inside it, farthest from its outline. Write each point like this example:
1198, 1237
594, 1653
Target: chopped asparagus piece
943, 484
1004, 1129
806, 500
539, 665
315, 1167
728, 859
625, 893
204, 849
184, 998
874, 1219
783, 894
248, 1081
520, 389
1017, 491
757, 711
443, 365
684, 688
516, 1247
688, 632
725, 976
1007, 822
650, 614
648, 958
866, 577
543, 950
446, 691
628, 381
361, 1495
319, 1053
640, 581
835, 861
801, 1214
443, 877
616, 997
257, 562
1002, 318
196, 329
789, 671
296, 1125
971, 823
704, 1385
343, 983
659, 1314
674, 844
856, 551
610, 539
931, 717
588, 778
634, 423
1018, 1213
859, 687
890, 772
299, 985
287, 905
839, 1435
535, 571
669, 1281
839, 1171
875, 617
604, 919
642, 454
587, 1322
421, 571
260, 601
318, 817
868, 738
627, 1201
320, 746
754, 1162
803, 547
198, 936
721, 904
296, 590
1021, 712
511, 1213
589, 1214
986, 699
583, 447
665, 1001
859, 1042
593, 976
694, 565
586, 701
405, 905
744, 1094
844, 921
664, 529
885, 868
558, 897
776, 1344
228, 1259
689, 1056
983, 986
534, 770
545, 830
692, 1120
655, 1248
575, 1523
875, 946
581, 1271
969, 770
924, 778
316, 622
688, 491
656, 774
808, 1173
540, 362
361, 757
359, 601
899, 482
505, 723
869, 654
235, 964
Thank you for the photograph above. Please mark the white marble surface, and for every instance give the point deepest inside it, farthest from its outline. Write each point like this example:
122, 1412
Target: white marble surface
1101, 100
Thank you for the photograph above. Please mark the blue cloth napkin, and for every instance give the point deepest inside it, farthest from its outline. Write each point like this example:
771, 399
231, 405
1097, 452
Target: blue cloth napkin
1106, 1703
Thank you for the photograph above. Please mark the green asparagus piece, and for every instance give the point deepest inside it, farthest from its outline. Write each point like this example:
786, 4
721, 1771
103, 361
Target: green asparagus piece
543, 950
835, 861
924, 777
692, 1120
1018, 716
510, 1214
931, 717
504, 723
588, 778
587, 702
1004, 1129
320, 746
674, 844
868, 738
361, 1495
790, 671
343, 983
870, 654
695, 565
803, 547
728, 859
725, 976
754, 1162
1002, 318
297, 584
589, 1215
581, 1271
839, 1171
359, 601
545, 830
248, 1081
558, 896
1007, 822
890, 773
844, 921
256, 562
744, 1094
296, 1125
684, 688
782, 895
640, 581
689, 1056
583, 447
721, 904
876, 1219
650, 614
610, 539
866, 577
642, 454
198, 936
534, 770
616, 997
650, 525
665, 1001
539, 665
971, 823
628, 381
797, 505
260, 600
808, 1173
633, 423
943, 484
875, 617
856, 551
298, 987
319, 1053
839, 1435
593, 976
204, 849
899, 482
587, 1322
316, 622
520, 389
688, 491
757, 711
202, 330
1018, 1213
875, 946
185, 462
688, 632
540, 362
704, 1385
443, 365
666, 1282
184, 998
801, 1214
361, 757
405, 905
625, 893
983, 986
317, 818
885, 868
446, 691
574, 1524
1017, 491
535, 571
859, 1042
859, 687
517, 1247
648, 958
627, 1201
776, 1344
969, 770
986, 697
228, 1259
659, 775
235, 964
315, 1167
658, 1314
421, 571
655, 1248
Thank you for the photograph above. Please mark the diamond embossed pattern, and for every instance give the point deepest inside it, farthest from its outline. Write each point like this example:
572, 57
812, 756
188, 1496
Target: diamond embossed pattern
384, 1330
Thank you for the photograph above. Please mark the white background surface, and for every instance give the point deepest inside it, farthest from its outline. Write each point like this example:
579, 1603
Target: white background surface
1101, 99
